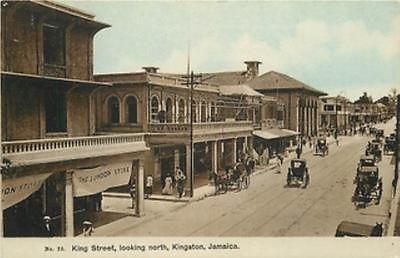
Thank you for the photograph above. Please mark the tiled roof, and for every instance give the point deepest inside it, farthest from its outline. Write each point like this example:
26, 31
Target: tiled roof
274, 80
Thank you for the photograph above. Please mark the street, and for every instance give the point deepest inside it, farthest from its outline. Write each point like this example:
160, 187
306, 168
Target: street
268, 208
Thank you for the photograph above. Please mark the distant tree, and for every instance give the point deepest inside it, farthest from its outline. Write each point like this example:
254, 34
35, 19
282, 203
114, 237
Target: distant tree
364, 99
385, 100
392, 95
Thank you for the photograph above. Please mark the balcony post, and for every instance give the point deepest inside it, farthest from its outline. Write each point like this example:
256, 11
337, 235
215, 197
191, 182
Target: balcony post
176, 158
67, 213
234, 150
214, 157
139, 207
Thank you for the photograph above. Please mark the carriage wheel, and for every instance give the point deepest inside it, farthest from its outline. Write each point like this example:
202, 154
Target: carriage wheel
222, 188
246, 182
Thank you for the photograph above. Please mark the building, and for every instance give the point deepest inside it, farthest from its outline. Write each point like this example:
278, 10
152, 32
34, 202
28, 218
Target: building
335, 113
200, 131
57, 162
300, 101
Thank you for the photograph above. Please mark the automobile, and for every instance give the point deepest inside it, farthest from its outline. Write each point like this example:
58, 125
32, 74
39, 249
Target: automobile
366, 161
379, 133
390, 145
369, 186
298, 173
374, 148
321, 146
355, 229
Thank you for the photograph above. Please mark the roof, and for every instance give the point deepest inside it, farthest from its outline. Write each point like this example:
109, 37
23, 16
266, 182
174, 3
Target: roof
273, 80
274, 133
355, 228
68, 10
220, 78
367, 157
241, 89
66, 81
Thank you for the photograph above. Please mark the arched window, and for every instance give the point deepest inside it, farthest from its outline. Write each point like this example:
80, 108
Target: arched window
194, 111
181, 111
113, 110
213, 112
131, 109
168, 107
154, 109
203, 111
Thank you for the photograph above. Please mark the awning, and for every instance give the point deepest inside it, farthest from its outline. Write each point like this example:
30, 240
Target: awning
241, 89
274, 133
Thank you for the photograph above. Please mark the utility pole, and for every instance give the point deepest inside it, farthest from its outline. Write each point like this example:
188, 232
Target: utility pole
397, 152
191, 81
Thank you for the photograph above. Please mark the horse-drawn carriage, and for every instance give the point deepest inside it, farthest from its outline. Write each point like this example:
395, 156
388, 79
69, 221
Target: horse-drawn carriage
234, 177
298, 173
368, 183
379, 133
321, 147
390, 145
353, 229
374, 148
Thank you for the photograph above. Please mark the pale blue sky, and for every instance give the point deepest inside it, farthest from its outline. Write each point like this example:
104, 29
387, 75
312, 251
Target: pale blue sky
337, 47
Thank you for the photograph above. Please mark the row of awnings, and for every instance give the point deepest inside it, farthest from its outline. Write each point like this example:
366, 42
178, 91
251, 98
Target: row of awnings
274, 133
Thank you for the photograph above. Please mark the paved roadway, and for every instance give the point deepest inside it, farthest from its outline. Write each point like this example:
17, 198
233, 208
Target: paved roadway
268, 208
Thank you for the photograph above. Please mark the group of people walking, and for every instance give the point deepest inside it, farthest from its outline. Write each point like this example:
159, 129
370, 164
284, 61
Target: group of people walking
178, 183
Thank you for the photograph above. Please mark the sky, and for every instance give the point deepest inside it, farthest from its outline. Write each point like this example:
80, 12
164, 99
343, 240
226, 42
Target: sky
344, 48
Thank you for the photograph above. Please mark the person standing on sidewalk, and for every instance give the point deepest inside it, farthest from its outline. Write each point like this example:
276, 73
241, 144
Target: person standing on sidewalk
148, 187
132, 192
180, 181
298, 151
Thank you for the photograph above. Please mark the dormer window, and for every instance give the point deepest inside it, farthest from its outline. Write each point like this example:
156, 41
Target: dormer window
53, 45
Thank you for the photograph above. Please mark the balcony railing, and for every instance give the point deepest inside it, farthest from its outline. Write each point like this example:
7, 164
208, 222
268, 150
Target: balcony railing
185, 127
42, 145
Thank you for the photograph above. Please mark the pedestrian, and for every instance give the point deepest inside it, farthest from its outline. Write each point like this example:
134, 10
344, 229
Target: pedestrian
280, 157
87, 228
132, 192
47, 229
167, 190
298, 151
180, 181
97, 200
310, 142
149, 187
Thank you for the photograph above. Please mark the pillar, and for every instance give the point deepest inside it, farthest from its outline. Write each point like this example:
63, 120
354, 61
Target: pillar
157, 166
176, 158
199, 112
214, 158
244, 144
139, 206
68, 206
234, 150
189, 172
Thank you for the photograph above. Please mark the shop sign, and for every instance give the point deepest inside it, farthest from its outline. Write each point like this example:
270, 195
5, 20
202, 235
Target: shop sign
94, 180
18, 189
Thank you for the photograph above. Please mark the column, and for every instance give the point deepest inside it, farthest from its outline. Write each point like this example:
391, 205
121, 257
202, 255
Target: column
185, 111
199, 112
157, 166
68, 206
139, 206
176, 158
245, 144
234, 150
214, 159
189, 172
310, 120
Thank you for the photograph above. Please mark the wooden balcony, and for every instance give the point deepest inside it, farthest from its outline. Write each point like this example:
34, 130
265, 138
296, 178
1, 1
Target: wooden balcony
29, 152
180, 132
